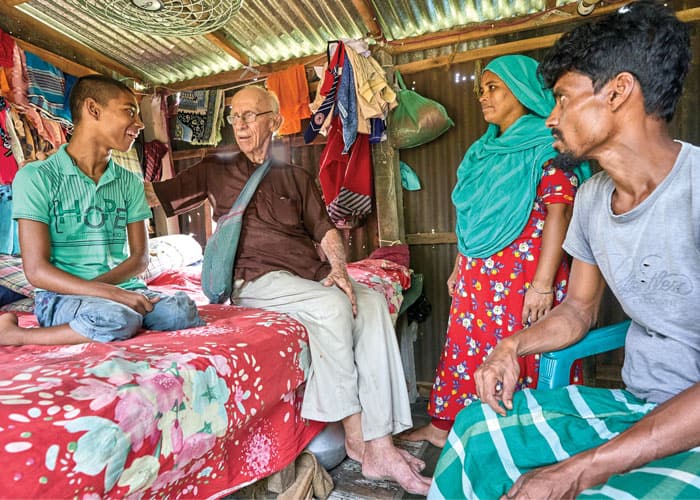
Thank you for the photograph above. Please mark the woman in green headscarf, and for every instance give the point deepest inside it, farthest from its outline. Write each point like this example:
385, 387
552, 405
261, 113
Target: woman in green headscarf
513, 208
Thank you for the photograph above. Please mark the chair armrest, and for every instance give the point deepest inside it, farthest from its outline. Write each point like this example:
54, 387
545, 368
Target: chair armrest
555, 366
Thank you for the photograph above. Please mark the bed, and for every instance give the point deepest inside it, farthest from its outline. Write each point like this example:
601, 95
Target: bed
194, 413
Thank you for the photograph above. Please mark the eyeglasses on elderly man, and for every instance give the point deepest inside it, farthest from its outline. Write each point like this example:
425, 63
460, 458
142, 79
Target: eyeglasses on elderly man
247, 117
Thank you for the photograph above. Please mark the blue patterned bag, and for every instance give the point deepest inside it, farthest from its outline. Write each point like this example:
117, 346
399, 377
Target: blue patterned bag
220, 252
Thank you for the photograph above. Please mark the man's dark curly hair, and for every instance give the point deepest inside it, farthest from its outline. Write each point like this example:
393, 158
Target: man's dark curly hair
643, 38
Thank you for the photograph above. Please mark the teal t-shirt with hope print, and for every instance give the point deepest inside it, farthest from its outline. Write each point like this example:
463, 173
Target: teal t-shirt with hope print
87, 221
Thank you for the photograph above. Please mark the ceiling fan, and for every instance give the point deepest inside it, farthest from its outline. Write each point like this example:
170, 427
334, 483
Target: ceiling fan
163, 17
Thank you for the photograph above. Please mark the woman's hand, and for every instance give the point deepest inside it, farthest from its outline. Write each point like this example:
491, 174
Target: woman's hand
536, 304
452, 282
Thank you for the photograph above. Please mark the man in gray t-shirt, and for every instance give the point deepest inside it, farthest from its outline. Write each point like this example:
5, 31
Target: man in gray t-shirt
616, 82
649, 258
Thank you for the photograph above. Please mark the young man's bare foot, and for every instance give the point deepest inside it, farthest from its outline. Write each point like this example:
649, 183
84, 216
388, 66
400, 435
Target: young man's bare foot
10, 332
436, 437
383, 460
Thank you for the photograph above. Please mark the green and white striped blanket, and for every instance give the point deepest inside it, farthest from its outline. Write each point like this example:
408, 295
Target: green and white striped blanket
486, 453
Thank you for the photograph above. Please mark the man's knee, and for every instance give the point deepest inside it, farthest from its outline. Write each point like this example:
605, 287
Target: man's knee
337, 305
106, 321
173, 312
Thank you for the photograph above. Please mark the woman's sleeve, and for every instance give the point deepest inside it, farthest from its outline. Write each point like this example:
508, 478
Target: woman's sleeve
557, 186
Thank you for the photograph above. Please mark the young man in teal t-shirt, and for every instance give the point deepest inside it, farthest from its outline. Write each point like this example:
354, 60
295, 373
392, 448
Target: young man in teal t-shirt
82, 232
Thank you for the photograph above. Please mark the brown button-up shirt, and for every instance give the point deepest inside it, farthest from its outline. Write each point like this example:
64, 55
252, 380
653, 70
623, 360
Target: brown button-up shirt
281, 225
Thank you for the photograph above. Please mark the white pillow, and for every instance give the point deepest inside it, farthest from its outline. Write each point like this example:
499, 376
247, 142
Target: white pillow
170, 252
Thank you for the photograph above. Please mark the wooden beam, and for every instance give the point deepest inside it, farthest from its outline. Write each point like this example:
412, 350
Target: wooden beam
388, 192
220, 39
528, 44
480, 53
369, 18
689, 15
243, 74
26, 29
65, 65
431, 238
564, 14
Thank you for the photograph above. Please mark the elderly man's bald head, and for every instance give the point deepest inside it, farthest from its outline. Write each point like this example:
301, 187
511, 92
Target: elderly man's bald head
264, 97
255, 118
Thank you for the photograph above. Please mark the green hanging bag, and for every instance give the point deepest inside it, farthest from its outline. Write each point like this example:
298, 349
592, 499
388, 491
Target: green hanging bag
416, 120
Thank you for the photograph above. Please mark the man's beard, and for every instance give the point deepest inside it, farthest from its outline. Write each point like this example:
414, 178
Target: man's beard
567, 162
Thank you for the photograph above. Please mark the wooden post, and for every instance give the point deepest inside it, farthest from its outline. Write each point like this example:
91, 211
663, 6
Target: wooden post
387, 180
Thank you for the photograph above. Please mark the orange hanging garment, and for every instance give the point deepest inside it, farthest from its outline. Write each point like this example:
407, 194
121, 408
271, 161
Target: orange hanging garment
292, 90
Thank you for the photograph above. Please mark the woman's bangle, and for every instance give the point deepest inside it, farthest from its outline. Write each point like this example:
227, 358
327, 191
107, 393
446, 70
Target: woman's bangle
541, 292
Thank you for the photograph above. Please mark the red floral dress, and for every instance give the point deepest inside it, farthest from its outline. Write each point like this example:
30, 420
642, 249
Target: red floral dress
488, 303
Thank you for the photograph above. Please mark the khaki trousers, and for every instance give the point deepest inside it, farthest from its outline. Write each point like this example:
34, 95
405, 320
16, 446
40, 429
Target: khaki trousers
355, 361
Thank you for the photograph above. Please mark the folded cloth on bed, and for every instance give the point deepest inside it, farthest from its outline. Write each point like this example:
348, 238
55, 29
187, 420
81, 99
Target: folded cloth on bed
395, 253
12, 276
7, 296
171, 251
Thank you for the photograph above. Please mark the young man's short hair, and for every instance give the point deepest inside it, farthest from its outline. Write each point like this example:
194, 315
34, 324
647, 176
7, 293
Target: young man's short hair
643, 38
100, 88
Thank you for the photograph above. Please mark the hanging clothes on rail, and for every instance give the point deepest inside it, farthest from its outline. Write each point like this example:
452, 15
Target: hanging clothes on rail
47, 89
9, 236
324, 104
8, 163
346, 178
292, 91
200, 116
153, 153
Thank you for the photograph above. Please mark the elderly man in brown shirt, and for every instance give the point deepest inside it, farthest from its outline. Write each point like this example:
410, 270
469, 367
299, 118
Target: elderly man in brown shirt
356, 374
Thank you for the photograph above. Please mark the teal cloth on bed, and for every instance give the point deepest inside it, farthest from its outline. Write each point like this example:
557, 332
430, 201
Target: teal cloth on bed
220, 252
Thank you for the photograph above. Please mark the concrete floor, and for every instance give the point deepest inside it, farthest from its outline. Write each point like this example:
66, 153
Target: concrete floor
430, 456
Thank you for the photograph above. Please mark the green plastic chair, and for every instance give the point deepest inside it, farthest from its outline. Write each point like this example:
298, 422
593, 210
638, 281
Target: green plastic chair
555, 367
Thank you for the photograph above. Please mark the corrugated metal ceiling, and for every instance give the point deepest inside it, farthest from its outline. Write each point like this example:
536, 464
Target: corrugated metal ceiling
266, 31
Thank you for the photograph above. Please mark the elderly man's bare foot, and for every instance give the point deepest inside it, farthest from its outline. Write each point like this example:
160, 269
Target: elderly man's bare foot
10, 332
416, 463
355, 449
382, 460
436, 437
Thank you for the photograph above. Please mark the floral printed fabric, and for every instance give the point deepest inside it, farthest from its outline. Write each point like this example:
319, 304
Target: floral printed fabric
488, 303
193, 413
384, 276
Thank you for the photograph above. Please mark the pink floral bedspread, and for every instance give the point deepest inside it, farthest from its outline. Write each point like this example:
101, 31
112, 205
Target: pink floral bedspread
386, 277
193, 413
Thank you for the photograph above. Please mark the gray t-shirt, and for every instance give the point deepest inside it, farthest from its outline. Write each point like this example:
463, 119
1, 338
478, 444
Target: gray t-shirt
650, 258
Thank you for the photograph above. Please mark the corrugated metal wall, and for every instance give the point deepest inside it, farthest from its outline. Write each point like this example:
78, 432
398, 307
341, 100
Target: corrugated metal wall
430, 210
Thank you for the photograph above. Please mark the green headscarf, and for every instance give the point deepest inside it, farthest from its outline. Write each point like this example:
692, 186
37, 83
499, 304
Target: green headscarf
498, 177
